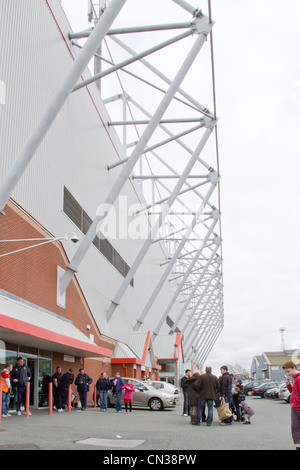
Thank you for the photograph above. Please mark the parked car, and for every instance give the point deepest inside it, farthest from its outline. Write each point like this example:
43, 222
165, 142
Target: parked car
272, 392
146, 395
161, 385
284, 394
250, 386
261, 390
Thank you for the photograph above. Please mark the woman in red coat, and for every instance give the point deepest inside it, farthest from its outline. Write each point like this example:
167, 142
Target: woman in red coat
291, 370
129, 388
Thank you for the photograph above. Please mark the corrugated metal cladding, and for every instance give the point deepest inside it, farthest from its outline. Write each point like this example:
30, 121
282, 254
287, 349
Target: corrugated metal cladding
35, 55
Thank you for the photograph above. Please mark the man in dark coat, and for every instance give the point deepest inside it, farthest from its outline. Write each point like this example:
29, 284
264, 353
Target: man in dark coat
20, 376
208, 392
183, 384
66, 380
225, 382
83, 382
56, 378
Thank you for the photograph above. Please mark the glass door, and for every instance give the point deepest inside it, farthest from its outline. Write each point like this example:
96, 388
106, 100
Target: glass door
44, 377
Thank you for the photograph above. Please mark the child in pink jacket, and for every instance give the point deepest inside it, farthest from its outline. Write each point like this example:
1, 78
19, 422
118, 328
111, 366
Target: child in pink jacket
129, 388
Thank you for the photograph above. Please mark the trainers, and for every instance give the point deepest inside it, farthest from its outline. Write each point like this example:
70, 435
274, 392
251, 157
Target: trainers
19, 413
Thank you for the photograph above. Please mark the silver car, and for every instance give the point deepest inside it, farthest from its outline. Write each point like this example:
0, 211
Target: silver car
284, 394
146, 395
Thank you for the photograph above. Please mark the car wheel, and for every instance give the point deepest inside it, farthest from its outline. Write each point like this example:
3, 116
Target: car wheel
155, 404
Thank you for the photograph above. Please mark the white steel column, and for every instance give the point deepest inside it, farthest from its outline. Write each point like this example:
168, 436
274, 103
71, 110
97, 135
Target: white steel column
172, 261
194, 289
146, 245
136, 154
173, 299
207, 317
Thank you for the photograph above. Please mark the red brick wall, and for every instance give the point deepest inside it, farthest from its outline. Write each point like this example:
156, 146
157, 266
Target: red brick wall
32, 275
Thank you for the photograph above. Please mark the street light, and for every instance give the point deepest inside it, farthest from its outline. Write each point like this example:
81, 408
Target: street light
73, 238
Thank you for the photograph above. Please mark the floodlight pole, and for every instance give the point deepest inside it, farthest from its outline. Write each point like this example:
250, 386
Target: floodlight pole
205, 28
58, 100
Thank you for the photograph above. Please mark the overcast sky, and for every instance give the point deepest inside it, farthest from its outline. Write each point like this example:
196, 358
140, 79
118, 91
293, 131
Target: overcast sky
257, 66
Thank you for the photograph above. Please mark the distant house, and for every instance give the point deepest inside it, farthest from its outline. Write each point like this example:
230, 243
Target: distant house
270, 364
254, 366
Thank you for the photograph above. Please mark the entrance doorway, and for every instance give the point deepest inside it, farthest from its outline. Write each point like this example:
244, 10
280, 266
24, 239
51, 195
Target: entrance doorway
41, 372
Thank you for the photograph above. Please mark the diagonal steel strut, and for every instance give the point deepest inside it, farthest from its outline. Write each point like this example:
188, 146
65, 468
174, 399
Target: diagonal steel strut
136, 154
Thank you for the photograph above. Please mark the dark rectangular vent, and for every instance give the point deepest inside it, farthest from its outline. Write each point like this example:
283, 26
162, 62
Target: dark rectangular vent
82, 220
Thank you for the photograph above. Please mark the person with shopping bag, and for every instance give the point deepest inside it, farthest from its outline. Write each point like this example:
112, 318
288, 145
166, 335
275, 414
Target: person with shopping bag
223, 410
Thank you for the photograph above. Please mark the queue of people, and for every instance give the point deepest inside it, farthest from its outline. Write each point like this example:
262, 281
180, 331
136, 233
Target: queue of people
15, 378
203, 392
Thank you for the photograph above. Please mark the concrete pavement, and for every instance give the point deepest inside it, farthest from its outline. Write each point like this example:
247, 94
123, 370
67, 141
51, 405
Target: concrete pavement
147, 430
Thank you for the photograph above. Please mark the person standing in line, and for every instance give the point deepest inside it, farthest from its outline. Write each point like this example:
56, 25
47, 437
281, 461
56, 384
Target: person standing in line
225, 383
129, 389
291, 370
56, 378
117, 384
193, 395
20, 376
103, 384
183, 384
208, 392
66, 380
6, 387
83, 382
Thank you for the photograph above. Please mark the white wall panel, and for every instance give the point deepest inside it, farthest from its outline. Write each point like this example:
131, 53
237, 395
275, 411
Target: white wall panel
35, 54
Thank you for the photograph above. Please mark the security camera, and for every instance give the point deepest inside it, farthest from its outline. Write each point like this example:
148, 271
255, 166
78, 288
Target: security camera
74, 239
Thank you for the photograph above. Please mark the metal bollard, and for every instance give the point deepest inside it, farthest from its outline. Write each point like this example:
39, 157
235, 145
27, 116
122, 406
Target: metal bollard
50, 398
27, 398
69, 398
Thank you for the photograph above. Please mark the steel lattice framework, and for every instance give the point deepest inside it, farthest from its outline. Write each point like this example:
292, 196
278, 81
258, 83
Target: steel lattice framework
166, 136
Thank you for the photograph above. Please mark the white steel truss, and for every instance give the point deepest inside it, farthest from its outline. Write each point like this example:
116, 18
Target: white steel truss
165, 133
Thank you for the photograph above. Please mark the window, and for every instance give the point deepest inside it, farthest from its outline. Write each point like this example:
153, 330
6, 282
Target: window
81, 219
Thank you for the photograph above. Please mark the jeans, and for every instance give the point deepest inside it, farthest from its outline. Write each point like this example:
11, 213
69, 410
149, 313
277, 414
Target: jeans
5, 402
201, 408
82, 396
186, 410
20, 393
118, 399
103, 399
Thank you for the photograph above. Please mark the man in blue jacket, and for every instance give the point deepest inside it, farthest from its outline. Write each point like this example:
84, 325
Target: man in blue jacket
117, 384
83, 382
20, 376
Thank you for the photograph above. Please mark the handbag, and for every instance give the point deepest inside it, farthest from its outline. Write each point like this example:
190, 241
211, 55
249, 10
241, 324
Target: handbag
223, 410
